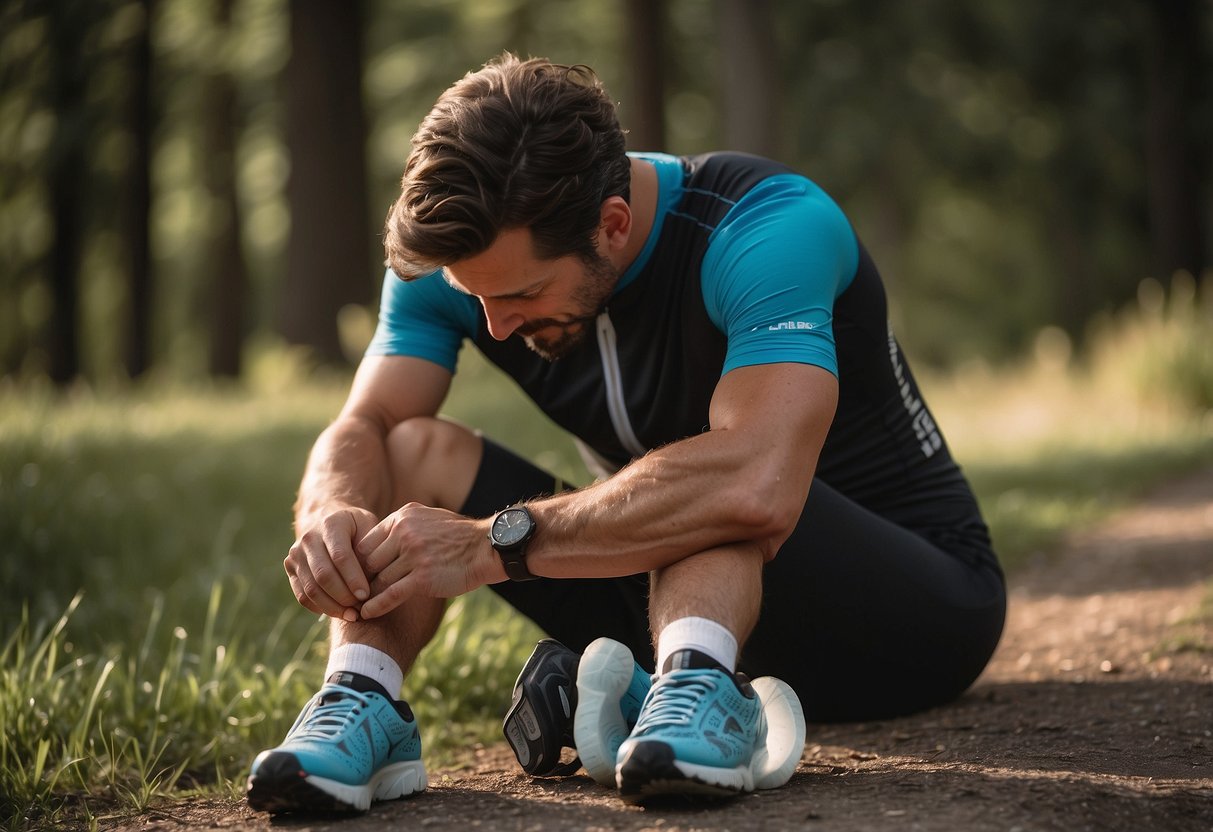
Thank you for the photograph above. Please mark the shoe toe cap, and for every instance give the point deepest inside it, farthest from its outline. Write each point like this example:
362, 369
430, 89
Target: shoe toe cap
277, 765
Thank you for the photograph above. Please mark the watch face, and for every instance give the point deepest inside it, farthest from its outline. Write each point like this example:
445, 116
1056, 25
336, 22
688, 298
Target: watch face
511, 526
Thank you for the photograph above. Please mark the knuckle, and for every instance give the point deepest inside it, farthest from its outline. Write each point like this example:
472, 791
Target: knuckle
336, 521
322, 572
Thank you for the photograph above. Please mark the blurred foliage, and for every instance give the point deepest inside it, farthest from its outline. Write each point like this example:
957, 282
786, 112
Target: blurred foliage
991, 155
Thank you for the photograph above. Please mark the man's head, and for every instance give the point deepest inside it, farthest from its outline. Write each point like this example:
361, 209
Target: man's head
516, 145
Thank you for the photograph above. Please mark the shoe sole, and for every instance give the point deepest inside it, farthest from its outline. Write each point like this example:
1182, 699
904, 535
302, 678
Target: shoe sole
539, 723
604, 675
779, 752
320, 794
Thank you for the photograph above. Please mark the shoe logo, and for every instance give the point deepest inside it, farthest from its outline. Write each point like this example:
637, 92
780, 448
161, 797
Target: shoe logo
518, 742
732, 726
564, 703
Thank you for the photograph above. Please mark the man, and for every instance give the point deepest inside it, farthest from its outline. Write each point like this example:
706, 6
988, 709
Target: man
774, 496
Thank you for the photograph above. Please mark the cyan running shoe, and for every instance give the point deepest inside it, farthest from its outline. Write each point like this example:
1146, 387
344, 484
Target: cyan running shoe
351, 744
549, 705
704, 731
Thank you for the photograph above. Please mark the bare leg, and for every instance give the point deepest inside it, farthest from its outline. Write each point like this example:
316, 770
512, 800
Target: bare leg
722, 584
433, 462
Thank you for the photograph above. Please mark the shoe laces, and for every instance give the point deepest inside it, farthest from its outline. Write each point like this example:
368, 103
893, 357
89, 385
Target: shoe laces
336, 708
674, 698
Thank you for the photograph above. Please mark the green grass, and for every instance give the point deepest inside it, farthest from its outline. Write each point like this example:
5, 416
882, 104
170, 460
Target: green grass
151, 643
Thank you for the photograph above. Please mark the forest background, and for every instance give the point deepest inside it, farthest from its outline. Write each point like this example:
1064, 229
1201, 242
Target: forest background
183, 183
190, 200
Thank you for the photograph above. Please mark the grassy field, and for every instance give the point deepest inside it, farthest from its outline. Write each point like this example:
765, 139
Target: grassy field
151, 642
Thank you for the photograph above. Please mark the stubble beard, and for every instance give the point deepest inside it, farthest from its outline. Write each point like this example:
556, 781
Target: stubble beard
591, 300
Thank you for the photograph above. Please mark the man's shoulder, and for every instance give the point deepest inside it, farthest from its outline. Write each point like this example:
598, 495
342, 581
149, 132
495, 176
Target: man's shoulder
735, 165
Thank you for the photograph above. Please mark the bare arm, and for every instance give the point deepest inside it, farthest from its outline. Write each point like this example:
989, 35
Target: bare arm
346, 485
744, 480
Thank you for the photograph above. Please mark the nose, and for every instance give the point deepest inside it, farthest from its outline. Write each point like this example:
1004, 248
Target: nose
502, 321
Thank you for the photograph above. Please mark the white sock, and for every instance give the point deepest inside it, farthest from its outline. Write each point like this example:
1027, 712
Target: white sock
368, 661
702, 634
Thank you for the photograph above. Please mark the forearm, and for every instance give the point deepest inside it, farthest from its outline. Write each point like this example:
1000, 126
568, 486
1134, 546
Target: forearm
347, 468
676, 502
685, 498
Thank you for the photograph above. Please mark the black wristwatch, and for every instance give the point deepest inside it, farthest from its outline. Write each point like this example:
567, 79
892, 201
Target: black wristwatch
512, 529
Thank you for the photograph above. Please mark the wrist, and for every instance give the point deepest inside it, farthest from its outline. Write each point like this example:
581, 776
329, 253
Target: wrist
492, 570
306, 518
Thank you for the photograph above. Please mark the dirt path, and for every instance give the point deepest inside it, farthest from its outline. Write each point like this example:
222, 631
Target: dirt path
1096, 714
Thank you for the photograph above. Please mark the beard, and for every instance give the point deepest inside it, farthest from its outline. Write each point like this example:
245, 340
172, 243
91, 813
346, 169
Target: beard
590, 299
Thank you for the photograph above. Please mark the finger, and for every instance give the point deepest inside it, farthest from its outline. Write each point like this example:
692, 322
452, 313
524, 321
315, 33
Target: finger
309, 593
314, 546
373, 554
390, 574
389, 599
339, 542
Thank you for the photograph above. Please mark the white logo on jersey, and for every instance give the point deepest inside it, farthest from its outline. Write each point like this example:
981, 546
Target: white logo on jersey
924, 426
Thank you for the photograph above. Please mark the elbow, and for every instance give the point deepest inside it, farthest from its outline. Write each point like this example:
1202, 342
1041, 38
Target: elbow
765, 517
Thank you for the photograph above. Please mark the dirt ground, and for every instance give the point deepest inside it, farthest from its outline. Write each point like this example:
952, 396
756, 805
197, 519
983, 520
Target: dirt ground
1095, 714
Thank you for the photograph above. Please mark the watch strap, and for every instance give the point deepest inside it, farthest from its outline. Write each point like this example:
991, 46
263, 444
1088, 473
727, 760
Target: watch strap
515, 566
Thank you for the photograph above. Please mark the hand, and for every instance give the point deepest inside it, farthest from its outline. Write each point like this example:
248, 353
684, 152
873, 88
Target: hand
419, 551
323, 567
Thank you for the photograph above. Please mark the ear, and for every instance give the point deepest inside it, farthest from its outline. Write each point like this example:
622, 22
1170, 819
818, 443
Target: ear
615, 226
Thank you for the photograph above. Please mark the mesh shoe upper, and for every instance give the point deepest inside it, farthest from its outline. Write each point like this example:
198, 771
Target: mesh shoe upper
704, 716
346, 735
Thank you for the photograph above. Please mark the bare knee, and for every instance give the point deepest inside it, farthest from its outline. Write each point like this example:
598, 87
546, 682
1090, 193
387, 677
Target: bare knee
415, 439
432, 461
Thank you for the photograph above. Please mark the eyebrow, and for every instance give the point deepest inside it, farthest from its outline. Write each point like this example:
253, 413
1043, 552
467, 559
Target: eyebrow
519, 295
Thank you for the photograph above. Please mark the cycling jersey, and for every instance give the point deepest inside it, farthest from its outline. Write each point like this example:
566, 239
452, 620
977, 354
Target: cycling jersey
746, 263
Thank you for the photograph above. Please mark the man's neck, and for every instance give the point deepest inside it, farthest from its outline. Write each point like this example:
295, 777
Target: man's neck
643, 203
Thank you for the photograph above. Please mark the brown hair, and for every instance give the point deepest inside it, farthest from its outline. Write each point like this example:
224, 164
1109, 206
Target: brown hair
516, 144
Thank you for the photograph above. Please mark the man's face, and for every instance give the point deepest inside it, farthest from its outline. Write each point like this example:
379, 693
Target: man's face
551, 304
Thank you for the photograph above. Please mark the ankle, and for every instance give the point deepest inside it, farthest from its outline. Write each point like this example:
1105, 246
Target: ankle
696, 642
368, 662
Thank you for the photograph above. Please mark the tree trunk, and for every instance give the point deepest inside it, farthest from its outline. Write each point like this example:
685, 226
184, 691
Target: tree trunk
139, 202
229, 280
750, 74
67, 169
644, 115
329, 244
1177, 171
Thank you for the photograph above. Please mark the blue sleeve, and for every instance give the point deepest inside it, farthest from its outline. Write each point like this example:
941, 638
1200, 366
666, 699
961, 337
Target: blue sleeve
773, 268
424, 318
